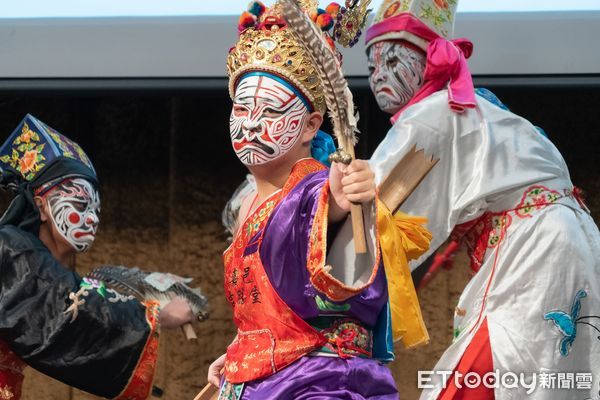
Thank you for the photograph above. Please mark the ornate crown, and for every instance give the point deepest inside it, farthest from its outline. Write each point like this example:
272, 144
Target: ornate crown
265, 44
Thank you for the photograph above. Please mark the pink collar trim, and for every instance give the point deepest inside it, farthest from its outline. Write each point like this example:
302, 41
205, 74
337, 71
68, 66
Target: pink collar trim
446, 62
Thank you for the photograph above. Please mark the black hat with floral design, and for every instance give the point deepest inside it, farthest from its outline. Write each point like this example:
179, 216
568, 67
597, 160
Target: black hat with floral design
33, 159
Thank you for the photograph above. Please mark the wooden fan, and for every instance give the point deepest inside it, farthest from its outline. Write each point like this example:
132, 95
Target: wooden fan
405, 177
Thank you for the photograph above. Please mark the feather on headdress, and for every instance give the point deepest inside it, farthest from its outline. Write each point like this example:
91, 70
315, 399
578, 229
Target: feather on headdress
338, 97
265, 44
335, 91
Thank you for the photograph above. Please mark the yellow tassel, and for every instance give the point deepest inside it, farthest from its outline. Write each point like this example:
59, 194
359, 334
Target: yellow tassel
403, 238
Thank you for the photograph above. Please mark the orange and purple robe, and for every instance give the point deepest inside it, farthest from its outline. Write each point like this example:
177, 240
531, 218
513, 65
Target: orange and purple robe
303, 328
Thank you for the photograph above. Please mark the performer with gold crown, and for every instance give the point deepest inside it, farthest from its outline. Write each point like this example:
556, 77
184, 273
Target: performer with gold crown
75, 330
504, 190
310, 324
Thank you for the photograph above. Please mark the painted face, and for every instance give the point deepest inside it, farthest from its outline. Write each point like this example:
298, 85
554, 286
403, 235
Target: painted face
395, 74
74, 209
266, 120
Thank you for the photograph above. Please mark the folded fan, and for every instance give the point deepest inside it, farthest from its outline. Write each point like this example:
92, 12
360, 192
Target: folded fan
147, 286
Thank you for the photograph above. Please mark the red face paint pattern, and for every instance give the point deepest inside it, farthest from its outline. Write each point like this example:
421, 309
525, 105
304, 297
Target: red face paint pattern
74, 210
266, 120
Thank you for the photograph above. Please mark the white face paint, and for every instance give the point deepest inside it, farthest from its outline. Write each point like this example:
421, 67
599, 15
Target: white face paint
266, 120
395, 74
74, 207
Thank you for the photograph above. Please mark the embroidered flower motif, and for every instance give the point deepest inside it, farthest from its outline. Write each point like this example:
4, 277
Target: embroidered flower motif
536, 198
231, 367
439, 14
567, 323
499, 224
28, 161
66, 152
91, 284
348, 338
443, 4
259, 217
26, 156
391, 10
26, 135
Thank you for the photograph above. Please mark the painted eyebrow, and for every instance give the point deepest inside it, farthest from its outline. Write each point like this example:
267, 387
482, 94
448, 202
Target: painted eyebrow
245, 98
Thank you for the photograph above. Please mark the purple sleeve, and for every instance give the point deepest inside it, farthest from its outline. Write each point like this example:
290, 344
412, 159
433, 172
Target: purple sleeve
284, 252
284, 246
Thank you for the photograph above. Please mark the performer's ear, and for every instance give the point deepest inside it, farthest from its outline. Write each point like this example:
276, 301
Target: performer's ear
42, 206
311, 127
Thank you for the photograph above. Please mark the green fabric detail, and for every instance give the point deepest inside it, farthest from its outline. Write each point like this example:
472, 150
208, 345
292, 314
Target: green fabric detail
230, 391
326, 305
91, 284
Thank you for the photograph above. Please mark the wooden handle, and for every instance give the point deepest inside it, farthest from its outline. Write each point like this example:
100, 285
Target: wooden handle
356, 211
188, 331
210, 392
358, 229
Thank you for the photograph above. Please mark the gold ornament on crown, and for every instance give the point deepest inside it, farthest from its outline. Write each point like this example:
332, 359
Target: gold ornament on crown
276, 51
308, 4
351, 22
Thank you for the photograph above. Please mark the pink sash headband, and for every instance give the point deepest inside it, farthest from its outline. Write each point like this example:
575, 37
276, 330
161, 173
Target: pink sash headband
446, 62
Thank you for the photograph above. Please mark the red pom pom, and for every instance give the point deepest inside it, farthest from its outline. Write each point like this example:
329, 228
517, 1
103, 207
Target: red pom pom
325, 21
246, 21
333, 9
256, 8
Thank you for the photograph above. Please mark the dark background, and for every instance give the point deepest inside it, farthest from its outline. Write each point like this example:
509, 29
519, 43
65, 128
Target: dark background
151, 132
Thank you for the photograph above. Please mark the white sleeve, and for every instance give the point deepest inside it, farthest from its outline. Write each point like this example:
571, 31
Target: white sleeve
483, 153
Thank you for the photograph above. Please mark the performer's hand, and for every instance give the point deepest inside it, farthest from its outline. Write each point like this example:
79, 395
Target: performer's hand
214, 371
354, 183
176, 313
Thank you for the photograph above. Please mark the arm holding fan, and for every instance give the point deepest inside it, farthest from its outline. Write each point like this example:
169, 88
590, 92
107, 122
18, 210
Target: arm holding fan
162, 287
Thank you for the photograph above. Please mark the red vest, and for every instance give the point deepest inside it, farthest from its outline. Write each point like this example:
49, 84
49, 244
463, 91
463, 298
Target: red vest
11, 374
270, 335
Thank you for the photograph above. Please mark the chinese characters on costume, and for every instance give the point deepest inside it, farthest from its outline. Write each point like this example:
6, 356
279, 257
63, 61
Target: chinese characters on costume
310, 323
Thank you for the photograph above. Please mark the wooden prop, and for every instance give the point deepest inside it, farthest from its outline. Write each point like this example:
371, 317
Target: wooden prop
404, 178
210, 392
134, 282
189, 332
337, 96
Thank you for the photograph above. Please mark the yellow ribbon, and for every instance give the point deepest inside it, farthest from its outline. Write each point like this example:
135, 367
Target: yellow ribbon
402, 238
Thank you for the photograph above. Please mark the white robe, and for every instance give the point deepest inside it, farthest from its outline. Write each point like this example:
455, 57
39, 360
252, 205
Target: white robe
489, 159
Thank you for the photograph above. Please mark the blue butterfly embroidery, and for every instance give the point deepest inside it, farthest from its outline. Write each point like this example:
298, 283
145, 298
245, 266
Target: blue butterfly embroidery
567, 323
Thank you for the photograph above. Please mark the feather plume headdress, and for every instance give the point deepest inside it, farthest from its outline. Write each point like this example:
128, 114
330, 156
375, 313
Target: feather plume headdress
265, 44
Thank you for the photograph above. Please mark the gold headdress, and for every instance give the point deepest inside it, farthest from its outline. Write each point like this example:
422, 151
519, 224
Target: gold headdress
265, 44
